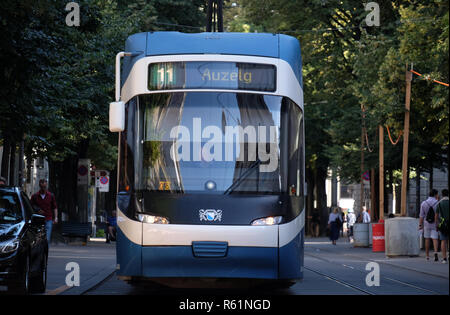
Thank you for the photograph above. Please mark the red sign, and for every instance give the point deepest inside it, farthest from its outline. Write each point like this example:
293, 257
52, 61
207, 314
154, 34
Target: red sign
82, 170
104, 180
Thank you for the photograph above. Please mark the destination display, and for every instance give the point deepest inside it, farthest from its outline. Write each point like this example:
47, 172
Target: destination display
211, 75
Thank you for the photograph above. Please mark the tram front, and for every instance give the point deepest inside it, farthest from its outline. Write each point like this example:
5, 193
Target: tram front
211, 163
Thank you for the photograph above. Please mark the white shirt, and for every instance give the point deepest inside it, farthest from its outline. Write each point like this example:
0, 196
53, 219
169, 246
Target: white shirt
333, 217
351, 219
366, 217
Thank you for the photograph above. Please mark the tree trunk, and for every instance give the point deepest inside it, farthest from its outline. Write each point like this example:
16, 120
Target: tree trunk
12, 165
391, 188
5, 157
21, 168
110, 197
431, 179
63, 180
398, 200
321, 196
417, 193
309, 177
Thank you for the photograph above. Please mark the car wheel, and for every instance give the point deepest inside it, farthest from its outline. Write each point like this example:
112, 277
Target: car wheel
22, 285
39, 282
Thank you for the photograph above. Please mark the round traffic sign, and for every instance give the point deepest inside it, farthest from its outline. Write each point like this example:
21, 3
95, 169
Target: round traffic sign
104, 180
82, 170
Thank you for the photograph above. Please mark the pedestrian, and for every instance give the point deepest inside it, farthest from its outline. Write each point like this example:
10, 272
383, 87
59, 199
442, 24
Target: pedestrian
365, 215
2, 181
427, 223
111, 225
351, 220
46, 203
334, 224
315, 221
442, 221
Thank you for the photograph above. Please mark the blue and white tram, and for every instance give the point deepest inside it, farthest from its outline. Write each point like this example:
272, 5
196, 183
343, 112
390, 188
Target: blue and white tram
211, 157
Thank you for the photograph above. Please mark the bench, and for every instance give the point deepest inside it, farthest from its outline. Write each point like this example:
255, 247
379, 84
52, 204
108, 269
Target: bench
77, 229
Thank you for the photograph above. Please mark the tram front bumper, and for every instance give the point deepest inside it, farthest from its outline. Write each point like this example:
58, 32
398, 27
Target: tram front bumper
239, 262
169, 251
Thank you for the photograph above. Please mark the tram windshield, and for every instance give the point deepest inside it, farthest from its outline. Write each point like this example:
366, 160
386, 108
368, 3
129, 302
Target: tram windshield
213, 142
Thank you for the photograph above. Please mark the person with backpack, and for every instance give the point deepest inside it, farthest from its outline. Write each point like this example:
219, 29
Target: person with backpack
442, 221
46, 203
427, 222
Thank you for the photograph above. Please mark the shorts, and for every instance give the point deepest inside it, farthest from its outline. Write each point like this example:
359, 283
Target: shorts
430, 233
443, 237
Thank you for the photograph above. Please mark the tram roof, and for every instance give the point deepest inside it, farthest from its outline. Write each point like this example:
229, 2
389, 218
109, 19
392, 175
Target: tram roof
251, 44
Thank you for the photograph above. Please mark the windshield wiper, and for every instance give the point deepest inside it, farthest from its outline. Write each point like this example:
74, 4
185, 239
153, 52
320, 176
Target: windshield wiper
242, 177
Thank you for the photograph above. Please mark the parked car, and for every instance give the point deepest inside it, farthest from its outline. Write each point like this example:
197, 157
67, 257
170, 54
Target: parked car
23, 243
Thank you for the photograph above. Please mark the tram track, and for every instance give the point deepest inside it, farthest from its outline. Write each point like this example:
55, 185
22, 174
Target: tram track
339, 281
365, 272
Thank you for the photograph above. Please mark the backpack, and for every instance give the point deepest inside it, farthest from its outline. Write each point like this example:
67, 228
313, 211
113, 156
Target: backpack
338, 222
430, 215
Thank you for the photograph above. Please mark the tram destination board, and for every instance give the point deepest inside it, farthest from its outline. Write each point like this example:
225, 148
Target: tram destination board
212, 75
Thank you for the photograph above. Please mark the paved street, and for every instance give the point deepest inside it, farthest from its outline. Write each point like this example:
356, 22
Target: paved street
332, 270
328, 270
96, 260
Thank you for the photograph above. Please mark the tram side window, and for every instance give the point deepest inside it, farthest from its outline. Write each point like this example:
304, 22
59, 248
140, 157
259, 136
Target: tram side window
295, 149
126, 158
301, 154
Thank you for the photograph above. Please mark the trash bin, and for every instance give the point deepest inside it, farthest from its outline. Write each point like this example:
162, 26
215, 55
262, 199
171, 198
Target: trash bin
378, 242
361, 234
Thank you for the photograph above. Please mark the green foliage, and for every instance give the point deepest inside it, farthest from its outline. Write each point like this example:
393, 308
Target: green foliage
348, 67
100, 233
57, 81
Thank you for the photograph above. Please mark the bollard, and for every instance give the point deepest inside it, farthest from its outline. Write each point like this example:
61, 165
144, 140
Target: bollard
378, 241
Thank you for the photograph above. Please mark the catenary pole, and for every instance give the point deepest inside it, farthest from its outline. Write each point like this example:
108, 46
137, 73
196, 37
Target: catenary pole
405, 142
381, 166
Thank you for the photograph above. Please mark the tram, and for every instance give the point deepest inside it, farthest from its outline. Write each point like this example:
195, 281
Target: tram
211, 157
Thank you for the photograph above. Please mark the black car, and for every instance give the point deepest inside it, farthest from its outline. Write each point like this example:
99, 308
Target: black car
23, 244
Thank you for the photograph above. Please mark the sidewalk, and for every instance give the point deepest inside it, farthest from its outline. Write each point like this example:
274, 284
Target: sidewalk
343, 247
97, 260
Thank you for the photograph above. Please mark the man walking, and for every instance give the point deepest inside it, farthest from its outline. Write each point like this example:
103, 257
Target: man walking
46, 203
427, 222
364, 216
442, 220
351, 220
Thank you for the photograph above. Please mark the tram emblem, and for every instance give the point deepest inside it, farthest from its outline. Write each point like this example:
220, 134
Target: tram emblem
210, 215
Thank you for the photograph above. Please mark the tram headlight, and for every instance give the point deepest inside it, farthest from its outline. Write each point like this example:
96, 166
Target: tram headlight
152, 219
268, 221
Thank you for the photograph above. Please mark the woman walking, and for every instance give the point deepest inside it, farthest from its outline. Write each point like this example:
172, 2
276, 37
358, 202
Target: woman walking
334, 224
